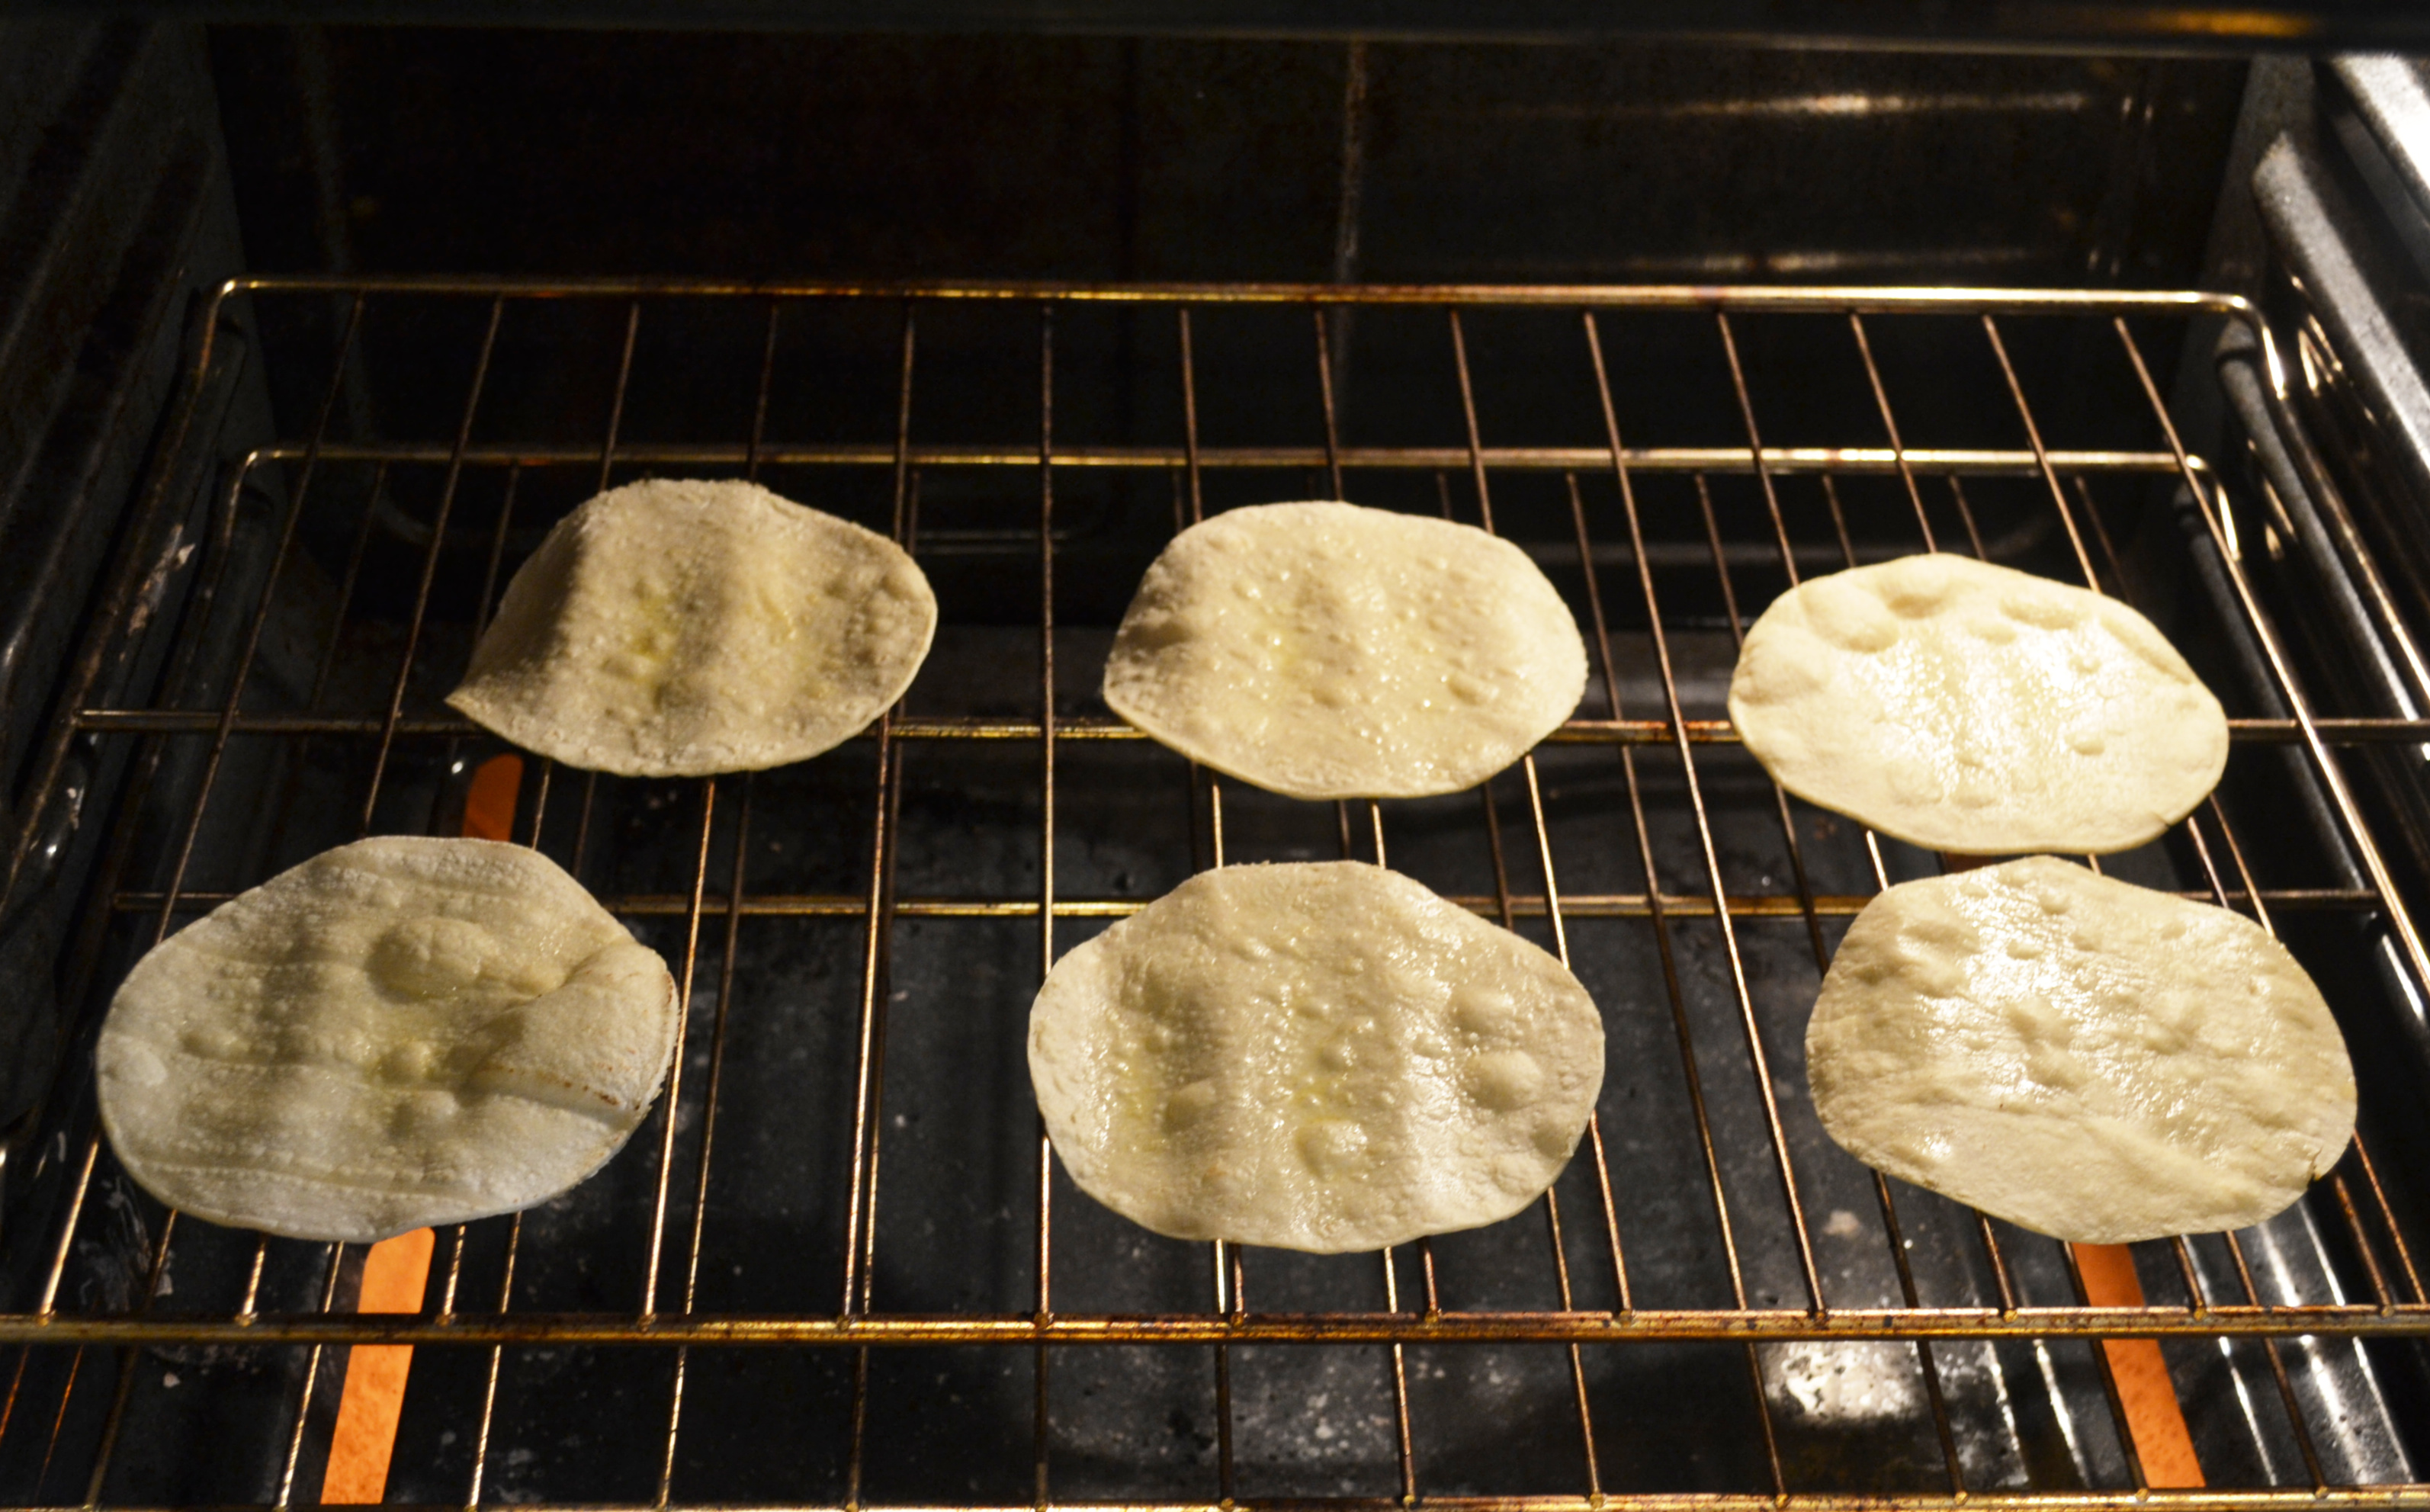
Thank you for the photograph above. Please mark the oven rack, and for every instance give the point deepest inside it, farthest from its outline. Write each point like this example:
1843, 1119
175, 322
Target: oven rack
55, 1187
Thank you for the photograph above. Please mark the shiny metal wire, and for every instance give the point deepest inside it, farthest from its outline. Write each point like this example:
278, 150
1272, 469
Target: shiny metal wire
1526, 885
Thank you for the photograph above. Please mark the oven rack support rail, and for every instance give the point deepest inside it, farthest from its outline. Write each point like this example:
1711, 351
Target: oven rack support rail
2399, 1307
855, 1330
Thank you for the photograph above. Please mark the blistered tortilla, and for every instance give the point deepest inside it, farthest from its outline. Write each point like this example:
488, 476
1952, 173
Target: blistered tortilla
675, 629
1976, 709
397, 1033
2090, 1059
1316, 1056
1328, 651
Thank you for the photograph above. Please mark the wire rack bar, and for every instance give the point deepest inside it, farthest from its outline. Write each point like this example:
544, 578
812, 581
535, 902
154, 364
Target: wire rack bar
1527, 905
2072, 1500
1775, 299
1925, 1361
1675, 907
1788, 459
905, 1329
2367, 731
869, 1064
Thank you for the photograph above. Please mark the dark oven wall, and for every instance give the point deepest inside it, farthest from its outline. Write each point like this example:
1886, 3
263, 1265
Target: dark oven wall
804, 157
827, 158
822, 159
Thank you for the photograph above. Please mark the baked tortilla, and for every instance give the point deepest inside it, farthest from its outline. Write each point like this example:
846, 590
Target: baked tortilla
1318, 1057
2090, 1059
1328, 651
679, 629
1976, 709
397, 1033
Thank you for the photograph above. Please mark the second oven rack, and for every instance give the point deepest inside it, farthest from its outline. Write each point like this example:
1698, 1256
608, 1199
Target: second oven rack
1589, 509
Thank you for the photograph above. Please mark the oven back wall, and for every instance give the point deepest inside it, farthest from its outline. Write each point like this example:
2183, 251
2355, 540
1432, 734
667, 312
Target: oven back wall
802, 156
797, 156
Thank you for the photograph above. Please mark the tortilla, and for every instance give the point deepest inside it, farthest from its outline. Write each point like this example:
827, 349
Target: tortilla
397, 1033
676, 628
2090, 1059
1328, 651
1976, 709
1317, 1056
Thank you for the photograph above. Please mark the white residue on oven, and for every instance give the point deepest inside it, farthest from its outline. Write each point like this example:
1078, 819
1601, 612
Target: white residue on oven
1845, 1384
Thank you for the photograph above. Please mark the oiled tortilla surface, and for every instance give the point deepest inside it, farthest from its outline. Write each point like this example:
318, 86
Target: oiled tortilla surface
1323, 650
1321, 1057
1972, 708
679, 629
2092, 1059
397, 1033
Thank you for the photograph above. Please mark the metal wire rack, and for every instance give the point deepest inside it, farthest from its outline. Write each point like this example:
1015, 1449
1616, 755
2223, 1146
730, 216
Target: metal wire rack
1724, 897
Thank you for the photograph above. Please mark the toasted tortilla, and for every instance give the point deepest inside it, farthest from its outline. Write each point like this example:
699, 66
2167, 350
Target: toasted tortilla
397, 1033
1976, 709
675, 629
2090, 1059
1328, 651
1317, 1056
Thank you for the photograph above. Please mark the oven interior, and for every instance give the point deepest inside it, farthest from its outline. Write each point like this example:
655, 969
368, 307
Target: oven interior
1508, 285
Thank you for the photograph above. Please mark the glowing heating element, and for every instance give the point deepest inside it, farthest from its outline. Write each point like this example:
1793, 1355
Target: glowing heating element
2154, 1418
396, 1271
